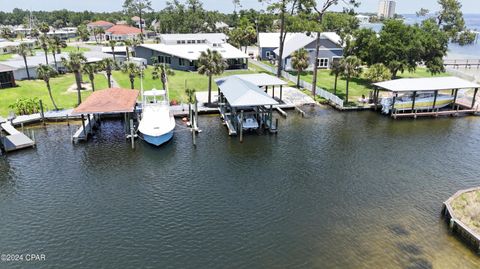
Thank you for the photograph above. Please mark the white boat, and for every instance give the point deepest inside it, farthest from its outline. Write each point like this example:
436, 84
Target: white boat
249, 122
423, 100
157, 122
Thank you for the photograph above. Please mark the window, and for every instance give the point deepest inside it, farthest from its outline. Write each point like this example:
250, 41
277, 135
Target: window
168, 59
161, 59
268, 54
189, 41
322, 62
181, 62
199, 41
179, 42
183, 41
192, 63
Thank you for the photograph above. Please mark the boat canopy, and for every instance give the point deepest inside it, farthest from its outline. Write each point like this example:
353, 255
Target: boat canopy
242, 93
426, 84
113, 100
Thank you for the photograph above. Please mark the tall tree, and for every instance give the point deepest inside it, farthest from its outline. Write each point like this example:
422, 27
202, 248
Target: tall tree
336, 70
46, 72
300, 62
450, 19
44, 41
244, 34
112, 44
75, 63
129, 43
138, 7
211, 63
132, 70
320, 12
56, 45
108, 65
83, 33
162, 71
24, 50
91, 70
351, 67
44, 28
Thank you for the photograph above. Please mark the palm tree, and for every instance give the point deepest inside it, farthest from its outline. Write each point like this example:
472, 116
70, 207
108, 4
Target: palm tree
191, 100
211, 63
44, 44
133, 70
91, 70
44, 28
162, 71
130, 43
46, 72
300, 62
98, 31
56, 46
24, 50
108, 65
112, 44
351, 67
75, 63
335, 70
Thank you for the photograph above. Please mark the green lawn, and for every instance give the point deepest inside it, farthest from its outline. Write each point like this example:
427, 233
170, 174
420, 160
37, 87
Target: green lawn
73, 48
177, 82
358, 86
37, 88
5, 57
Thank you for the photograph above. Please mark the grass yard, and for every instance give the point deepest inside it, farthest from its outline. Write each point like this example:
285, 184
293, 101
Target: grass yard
177, 82
5, 57
38, 88
358, 86
74, 49
466, 207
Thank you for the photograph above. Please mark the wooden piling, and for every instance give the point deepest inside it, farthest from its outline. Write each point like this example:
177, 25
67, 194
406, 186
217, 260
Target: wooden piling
132, 135
42, 114
241, 126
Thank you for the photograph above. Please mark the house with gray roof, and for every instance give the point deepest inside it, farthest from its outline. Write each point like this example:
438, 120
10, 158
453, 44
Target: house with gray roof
330, 49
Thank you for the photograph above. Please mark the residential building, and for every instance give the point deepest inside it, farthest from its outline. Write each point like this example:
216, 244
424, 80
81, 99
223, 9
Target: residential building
268, 42
136, 20
386, 9
99, 24
362, 18
181, 51
121, 32
7, 47
330, 49
64, 33
7, 80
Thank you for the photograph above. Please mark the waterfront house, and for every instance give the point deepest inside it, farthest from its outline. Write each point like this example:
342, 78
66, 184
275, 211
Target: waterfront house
99, 24
136, 20
122, 32
7, 47
330, 49
268, 42
7, 80
181, 51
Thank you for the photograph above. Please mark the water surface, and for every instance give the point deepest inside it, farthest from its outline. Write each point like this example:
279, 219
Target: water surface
333, 190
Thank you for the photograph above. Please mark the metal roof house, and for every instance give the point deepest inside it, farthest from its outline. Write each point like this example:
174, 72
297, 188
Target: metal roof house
268, 42
330, 49
181, 51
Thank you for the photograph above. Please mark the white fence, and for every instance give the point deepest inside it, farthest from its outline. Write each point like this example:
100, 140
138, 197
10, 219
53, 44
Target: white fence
320, 92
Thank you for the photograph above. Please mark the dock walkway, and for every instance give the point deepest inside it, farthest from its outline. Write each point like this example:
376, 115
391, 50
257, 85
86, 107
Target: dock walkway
15, 140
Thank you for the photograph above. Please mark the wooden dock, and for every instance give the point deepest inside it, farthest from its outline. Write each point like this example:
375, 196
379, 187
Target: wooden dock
15, 140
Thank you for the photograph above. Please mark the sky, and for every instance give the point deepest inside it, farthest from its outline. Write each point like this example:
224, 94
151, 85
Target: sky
403, 6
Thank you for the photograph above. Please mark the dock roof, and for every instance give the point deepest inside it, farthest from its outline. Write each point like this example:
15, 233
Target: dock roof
242, 93
113, 100
426, 84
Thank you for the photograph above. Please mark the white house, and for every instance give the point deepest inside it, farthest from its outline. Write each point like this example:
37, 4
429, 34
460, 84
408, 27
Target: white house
122, 32
10, 46
181, 51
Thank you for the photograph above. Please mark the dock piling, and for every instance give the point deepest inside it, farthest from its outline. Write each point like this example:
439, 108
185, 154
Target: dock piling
241, 126
132, 136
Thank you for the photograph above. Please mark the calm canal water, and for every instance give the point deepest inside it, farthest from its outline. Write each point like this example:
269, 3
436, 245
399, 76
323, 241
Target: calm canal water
334, 190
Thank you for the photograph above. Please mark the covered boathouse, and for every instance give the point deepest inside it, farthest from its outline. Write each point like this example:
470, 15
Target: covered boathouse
417, 97
113, 101
244, 105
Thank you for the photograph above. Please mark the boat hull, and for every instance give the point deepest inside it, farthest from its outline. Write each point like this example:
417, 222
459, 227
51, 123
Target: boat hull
158, 140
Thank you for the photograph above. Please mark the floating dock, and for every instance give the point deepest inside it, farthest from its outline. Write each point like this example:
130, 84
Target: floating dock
15, 139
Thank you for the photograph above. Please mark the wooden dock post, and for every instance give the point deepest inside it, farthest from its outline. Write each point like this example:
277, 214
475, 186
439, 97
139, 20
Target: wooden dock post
132, 135
196, 115
42, 115
241, 126
193, 137
83, 125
